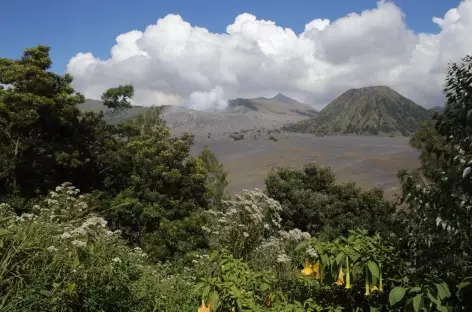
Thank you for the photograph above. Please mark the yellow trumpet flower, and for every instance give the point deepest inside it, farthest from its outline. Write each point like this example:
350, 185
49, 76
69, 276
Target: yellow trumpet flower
307, 269
340, 280
204, 307
348, 276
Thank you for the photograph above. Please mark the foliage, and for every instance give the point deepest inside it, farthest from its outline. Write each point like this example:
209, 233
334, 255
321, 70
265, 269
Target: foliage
217, 182
60, 257
439, 211
313, 202
117, 99
43, 136
160, 209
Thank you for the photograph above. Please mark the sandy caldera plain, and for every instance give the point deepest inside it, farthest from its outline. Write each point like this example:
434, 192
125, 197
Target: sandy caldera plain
367, 160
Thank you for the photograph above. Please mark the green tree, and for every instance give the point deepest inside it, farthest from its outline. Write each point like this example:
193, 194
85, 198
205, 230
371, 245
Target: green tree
161, 208
439, 216
44, 139
313, 202
117, 99
217, 182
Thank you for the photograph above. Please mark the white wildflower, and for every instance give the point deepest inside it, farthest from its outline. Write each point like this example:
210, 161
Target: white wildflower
65, 235
283, 258
312, 252
116, 260
79, 243
51, 249
245, 234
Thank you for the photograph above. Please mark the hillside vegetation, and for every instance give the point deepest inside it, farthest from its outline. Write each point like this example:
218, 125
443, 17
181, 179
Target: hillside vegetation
377, 110
102, 217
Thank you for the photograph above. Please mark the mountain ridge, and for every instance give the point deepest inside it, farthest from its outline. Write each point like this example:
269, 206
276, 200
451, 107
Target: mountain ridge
240, 114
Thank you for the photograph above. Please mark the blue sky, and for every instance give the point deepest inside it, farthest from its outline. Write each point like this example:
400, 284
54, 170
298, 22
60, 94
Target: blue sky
70, 27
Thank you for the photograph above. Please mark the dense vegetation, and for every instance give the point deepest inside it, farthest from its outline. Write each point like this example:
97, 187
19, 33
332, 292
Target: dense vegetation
366, 111
102, 217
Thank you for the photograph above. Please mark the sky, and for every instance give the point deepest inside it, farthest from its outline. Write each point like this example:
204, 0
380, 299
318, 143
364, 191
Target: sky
201, 53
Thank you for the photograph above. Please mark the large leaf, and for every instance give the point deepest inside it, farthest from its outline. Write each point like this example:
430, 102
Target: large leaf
417, 302
214, 300
396, 295
4, 232
443, 290
340, 257
374, 269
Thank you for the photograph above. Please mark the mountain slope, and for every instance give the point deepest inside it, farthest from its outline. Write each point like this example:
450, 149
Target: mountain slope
437, 109
241, 114
368, 111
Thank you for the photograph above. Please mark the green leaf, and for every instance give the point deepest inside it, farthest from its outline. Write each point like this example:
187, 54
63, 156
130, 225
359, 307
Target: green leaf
414, 290
396, 295
206, 290
374, 269
76, 262
214, 254
4, 232
214, 300
417, 302
302, 244
264, 286
70, 288
442, 309
466, 172
340, 257
464, 284
443, 290
433, 299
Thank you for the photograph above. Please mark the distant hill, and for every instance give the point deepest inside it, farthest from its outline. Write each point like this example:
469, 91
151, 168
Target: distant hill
241, 114
377, 110
437, 109
97, 106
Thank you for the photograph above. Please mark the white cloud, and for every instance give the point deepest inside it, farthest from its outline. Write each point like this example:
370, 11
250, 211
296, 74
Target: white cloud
173, 62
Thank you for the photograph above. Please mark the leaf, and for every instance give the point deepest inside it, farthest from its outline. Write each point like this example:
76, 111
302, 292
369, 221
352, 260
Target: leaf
340, 257
414, 290
374, 269
206, 290
214, 300
396, 295
4, 232
433, 299
71, 288
302, 244
464, 284
196, 289
443, 290
417, 302
442, 309
214, 254
264, 286
76, 262
466, 172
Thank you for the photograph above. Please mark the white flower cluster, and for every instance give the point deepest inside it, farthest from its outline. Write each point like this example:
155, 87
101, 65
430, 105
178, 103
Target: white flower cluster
245, 222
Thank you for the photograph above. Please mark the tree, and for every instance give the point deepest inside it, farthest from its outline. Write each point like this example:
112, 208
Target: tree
43, 137
117, 99
216, 179
439, 214
161, 208
313, 202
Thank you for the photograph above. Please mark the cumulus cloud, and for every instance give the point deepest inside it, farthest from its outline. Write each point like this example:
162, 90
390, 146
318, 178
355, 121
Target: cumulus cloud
175, 63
